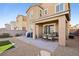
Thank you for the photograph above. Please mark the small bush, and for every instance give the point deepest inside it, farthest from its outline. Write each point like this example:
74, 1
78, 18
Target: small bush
2, 43
5, 35
18, 34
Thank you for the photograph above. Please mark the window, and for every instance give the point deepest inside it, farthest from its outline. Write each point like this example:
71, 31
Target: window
51, 29
59, 7
40, 13
45, 11
45, 30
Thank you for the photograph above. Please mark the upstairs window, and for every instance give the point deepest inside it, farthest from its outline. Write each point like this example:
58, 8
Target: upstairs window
57, 8
45, 11
40, 13
60, 7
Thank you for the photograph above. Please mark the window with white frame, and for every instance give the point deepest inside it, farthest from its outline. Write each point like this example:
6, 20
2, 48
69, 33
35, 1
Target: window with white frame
60, 7
46, 11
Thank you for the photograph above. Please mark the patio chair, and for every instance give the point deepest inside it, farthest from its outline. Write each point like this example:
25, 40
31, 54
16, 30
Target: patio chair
53, 36
45, 36
50, 36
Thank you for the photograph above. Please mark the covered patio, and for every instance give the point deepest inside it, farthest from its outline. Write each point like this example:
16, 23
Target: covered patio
57, 25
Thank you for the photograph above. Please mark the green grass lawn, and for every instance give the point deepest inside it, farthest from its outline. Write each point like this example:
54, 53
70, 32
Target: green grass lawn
5, 45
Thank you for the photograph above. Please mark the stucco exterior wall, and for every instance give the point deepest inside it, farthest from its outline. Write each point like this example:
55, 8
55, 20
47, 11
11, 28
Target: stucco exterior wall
51, 7
19, 22
32, 15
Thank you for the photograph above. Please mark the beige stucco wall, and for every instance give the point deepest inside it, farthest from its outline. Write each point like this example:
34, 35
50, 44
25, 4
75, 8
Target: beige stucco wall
36, 14
19, 22
35, 11
25, 22
51, 8
67, 6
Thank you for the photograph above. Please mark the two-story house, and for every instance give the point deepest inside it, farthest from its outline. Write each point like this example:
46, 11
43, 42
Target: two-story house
46, 18
13, 25
21, 22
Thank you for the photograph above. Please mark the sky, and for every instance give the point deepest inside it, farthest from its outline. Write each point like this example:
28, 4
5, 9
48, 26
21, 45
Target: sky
74, 13
8, 12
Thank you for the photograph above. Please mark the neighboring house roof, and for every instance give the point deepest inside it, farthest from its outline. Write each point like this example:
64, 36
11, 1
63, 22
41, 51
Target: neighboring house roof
33, 5
12, 22
7, 24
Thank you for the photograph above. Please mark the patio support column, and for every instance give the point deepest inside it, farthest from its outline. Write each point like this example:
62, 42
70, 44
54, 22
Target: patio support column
34, 31
39, 31
62, 31
68, 29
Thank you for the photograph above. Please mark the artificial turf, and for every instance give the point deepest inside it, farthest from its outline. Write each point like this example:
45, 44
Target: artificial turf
5, 45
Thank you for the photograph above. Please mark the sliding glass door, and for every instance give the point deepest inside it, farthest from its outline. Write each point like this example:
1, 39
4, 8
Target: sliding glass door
49, 29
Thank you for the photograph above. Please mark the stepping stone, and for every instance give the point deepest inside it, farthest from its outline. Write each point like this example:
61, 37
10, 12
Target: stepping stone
45, 53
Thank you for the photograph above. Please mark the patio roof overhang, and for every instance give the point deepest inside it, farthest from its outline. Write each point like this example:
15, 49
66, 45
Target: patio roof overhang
54, 17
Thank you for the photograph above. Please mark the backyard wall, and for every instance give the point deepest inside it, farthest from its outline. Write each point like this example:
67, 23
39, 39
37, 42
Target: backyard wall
12, 32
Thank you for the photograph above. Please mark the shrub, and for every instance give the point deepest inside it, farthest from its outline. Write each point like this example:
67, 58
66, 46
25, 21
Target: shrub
5, 35
18, 34
2, 43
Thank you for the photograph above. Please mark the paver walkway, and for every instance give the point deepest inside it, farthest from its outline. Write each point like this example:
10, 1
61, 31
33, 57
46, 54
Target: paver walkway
72, 48
40, 43
21, 49
25, 49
